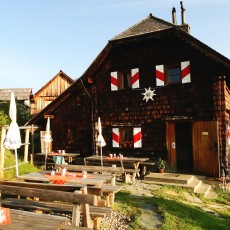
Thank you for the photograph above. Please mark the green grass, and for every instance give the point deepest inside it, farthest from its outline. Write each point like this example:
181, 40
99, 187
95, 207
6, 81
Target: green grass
183, 216
177, 215
130, 207
10, 174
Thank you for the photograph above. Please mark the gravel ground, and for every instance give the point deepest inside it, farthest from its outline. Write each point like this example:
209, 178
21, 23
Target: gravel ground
149, 218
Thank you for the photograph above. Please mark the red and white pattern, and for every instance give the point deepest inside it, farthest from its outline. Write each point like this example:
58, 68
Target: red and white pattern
115, 137
160, 78
228, 134
114, 81
137, 137
135, 78
185, 72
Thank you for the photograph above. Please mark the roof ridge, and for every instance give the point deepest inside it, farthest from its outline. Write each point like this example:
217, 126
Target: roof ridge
138, 28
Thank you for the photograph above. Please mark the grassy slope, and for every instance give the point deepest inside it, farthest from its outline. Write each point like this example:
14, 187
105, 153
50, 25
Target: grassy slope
10, 161
177, 211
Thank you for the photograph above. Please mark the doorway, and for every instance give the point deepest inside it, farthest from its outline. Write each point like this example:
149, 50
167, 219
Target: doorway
184, 151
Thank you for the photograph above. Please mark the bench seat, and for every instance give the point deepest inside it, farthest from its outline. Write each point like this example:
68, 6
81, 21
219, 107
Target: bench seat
144, 166
77, 203
51, 207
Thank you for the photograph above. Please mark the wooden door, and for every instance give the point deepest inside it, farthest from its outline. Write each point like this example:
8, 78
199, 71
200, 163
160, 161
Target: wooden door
205, 152
171, 146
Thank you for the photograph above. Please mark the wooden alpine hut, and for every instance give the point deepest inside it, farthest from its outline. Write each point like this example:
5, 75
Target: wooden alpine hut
159, 92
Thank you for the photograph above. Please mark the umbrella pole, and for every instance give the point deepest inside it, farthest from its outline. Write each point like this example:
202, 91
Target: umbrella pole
46, 156
16, 161
101, 157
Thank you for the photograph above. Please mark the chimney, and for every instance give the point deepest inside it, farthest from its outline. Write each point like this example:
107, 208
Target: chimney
184, 26
182, 13
174, 15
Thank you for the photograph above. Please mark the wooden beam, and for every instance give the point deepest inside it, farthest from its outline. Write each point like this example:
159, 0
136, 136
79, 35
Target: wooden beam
26, 149
50, 116
2, 153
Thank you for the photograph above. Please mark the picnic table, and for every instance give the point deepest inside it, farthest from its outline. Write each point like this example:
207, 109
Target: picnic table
71, 178
53, 155
124, 162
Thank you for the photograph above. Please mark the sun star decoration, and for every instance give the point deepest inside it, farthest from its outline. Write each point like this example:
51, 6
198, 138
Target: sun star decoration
148, 94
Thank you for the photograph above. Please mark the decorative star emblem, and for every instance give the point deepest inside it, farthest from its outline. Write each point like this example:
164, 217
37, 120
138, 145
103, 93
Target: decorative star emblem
148, 94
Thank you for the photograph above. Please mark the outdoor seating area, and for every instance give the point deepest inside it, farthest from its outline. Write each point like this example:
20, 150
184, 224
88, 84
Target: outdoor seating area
63, 194
89, 197
82, 192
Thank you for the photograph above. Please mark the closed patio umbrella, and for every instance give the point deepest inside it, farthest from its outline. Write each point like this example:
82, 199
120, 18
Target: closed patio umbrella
13, 137
47, 138
100, 140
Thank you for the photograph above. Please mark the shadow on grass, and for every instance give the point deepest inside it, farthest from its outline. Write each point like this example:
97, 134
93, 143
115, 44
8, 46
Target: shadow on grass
176, 214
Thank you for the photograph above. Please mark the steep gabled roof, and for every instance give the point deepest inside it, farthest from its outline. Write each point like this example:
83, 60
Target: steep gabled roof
61, 73
147, 25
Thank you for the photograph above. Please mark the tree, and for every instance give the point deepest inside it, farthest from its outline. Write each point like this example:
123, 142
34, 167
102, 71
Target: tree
4, 119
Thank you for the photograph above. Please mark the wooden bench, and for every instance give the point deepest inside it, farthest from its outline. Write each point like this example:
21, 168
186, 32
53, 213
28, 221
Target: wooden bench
128, 171
144, 166
23, 220
47, 193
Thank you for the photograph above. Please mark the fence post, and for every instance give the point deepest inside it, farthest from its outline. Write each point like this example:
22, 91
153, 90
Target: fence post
2, 153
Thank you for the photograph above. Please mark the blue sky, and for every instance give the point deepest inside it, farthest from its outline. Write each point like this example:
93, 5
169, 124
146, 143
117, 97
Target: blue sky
40, 37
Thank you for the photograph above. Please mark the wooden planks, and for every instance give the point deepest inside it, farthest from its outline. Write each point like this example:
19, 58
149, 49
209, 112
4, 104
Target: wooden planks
48, 195
22, 220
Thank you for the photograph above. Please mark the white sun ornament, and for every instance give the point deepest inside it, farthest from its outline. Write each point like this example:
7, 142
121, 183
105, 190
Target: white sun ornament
148, 94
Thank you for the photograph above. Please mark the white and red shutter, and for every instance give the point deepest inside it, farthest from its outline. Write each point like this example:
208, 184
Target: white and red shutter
160, 78
115, 137
135, 78
185, 72
114, 81
228, 134
137, 137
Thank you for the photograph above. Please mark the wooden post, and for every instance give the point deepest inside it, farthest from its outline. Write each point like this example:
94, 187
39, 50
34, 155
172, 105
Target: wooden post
26, 145
2, 153
32, 145
85, 210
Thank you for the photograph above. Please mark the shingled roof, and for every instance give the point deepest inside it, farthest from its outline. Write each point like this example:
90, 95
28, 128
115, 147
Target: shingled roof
147, 25
21, 94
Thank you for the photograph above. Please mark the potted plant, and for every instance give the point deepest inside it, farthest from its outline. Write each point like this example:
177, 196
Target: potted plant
161, 164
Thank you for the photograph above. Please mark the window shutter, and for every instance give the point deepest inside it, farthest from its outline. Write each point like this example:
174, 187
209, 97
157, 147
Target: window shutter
185, 72
160, 78
115, 137
114, 82
135, 78
137, 137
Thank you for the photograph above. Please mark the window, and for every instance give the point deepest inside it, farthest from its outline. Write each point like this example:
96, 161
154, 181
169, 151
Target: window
127, 137
124, 80
173, 74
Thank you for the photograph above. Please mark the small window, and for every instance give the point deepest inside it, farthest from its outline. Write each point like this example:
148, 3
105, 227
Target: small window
126, 137
173, 74
124, 80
